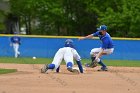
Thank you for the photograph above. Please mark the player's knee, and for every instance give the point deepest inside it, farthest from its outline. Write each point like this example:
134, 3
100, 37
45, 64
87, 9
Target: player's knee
93, 54
98, 60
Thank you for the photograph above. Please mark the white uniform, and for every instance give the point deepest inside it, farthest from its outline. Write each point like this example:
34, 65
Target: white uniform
66, 53
16, 47
15, 40
95, 51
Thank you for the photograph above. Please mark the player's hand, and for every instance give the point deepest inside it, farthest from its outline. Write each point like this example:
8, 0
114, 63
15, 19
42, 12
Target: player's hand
81, 38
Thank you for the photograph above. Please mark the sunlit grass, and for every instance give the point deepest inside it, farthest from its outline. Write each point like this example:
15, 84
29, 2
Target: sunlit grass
128, 63
5, 71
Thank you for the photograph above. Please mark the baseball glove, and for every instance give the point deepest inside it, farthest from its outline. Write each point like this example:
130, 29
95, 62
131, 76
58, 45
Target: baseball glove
92, 64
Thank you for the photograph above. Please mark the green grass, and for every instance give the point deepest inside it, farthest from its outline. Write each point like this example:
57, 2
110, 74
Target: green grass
127, 63
24, 60
5, 71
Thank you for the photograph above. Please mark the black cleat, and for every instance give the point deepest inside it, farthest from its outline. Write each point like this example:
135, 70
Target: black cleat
103, 69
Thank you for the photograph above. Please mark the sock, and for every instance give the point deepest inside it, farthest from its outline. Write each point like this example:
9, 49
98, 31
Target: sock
101, 63
69, 65
93, 58
80, 66
57, 70
51, 66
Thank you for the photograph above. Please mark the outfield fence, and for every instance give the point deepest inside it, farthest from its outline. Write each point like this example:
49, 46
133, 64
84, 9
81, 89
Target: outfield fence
46, 46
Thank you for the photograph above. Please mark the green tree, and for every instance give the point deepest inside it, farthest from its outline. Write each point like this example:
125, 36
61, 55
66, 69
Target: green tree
78, 17
122, 18
25, 9
1, 21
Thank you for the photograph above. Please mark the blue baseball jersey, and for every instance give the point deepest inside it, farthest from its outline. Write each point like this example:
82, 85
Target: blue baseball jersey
15, 39
106, 40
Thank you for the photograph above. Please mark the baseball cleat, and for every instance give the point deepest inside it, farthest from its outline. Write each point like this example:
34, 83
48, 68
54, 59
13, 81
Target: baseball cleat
44, 69
73, 70
103, 69
18, 55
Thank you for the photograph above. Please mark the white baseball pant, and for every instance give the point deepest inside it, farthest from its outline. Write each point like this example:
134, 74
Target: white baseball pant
16, 47
95, 51
66, 53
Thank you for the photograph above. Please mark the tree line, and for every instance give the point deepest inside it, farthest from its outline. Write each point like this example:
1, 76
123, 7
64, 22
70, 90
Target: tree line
77, 17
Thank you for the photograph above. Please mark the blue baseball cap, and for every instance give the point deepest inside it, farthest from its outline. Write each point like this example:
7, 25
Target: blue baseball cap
69, 43
102, 27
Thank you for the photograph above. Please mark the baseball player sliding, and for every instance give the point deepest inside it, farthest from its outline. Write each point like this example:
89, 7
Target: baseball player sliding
68, 53
106, 48
15, 42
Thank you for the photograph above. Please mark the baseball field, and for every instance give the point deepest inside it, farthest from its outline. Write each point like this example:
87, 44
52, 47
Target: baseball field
22, 75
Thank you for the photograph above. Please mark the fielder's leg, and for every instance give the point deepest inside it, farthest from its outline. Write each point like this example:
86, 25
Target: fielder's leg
92, 64
15, 50
104, 67
93, 54
16, 47
106, 52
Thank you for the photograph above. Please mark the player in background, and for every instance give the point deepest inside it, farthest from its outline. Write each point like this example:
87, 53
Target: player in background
68, 53
15, 42
106, 48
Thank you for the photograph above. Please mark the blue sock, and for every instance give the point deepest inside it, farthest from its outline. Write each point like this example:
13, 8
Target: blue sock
69, 65
80, 66
101, 63
51, 66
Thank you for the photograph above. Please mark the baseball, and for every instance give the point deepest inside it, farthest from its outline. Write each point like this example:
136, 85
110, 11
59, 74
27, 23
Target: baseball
34, 57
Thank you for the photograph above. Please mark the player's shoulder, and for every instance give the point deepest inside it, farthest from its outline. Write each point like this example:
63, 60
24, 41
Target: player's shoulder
106, 37
96, 33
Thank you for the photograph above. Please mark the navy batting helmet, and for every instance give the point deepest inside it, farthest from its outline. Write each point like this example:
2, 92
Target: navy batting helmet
69, 43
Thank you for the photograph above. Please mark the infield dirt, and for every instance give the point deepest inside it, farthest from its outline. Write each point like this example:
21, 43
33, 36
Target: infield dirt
28, 79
